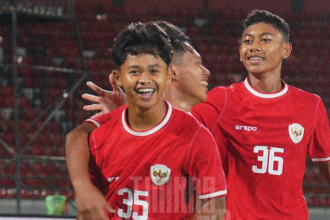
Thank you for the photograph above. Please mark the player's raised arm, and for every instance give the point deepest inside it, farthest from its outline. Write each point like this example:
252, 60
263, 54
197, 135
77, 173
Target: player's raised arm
107, 100
213, 208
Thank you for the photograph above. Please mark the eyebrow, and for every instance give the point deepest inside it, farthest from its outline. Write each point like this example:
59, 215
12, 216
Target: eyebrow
137, 66
263, 34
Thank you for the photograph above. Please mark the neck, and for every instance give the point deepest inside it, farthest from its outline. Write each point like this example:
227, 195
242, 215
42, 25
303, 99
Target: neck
145, 119
177, 99
185, 106
268, 84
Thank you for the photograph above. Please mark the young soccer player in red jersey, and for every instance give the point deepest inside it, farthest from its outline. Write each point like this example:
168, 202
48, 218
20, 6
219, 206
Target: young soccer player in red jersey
268, 127
149, 158
187, 71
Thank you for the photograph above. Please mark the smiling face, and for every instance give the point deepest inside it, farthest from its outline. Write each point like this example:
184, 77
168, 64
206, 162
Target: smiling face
191, 75
143, 77
263, 49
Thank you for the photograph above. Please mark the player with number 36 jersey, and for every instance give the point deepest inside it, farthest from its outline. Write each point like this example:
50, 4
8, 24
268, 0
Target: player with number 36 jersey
267, 138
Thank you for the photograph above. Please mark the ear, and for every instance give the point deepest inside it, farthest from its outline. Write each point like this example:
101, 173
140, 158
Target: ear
117, 77
175, 73
169, 74
287, 48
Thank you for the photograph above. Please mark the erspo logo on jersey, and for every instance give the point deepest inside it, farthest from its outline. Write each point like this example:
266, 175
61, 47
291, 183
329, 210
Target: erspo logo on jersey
112, 179
159, 174
245, 128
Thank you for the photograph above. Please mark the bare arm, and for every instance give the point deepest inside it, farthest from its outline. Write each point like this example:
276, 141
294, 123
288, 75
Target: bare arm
90, 201
77, 152
325, 170
213, 209
107, 100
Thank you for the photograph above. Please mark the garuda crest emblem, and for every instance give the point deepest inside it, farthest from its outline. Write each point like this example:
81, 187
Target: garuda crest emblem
159, 174
296, 132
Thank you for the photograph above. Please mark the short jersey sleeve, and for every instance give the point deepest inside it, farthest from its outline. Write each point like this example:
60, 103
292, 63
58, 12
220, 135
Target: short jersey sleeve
103, 118
98, 120
204, 164
209, 111
319, 148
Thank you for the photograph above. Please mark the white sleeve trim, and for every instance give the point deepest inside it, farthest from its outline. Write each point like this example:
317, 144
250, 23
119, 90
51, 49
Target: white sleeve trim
320, 159
93, 122
212, 195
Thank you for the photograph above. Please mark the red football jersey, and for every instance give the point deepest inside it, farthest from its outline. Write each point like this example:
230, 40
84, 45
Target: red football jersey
158, 173
267, 138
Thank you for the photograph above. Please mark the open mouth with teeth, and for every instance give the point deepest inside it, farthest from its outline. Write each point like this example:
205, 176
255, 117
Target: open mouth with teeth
255, 58
146, 93
204, 83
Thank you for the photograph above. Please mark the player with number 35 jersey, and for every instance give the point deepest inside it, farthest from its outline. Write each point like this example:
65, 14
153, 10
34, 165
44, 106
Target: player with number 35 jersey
159, 173
150, 160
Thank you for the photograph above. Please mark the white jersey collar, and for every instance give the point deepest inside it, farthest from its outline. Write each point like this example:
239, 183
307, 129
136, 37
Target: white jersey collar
265, 95
150, 131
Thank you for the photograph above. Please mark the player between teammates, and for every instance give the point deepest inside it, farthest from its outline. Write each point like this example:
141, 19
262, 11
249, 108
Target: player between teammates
267, 135
137, 159
188, 87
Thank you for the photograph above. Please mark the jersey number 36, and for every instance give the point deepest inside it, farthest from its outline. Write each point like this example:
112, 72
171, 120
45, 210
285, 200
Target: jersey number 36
269, 157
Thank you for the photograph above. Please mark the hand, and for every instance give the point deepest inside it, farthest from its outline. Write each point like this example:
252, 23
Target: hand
91, 204
107, 100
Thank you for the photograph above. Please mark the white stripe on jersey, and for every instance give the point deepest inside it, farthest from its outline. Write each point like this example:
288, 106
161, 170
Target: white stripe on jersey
212, 195
151, 131
265, 95
90, 120
320, 159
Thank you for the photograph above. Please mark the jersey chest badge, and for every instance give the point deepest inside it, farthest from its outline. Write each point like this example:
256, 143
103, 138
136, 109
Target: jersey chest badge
159, 174
296, 132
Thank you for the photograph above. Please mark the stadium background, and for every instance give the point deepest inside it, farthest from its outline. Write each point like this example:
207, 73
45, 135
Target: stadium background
48, 49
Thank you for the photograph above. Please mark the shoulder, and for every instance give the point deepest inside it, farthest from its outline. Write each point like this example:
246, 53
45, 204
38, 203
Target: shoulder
190, 124
99, 120
110, 118
216, 91
185, 120
220, 92
180, 114
308, 102
303, 95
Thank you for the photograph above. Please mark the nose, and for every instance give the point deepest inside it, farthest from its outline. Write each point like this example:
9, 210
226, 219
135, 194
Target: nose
255, 46
144, 78
205, 71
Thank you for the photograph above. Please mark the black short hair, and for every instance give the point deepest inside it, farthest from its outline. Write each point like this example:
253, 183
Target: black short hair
257, 16
177, 36
142, 38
